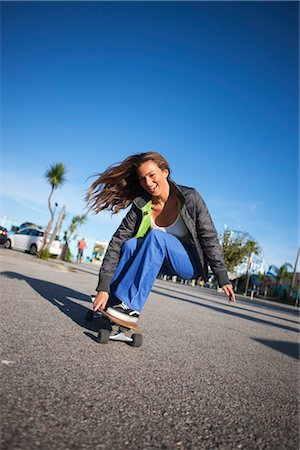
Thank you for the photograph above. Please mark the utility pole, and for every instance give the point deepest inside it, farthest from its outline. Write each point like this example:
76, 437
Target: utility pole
248, 273
295, 270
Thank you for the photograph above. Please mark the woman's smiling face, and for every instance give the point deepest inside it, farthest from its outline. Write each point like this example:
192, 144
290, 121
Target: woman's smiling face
153, 179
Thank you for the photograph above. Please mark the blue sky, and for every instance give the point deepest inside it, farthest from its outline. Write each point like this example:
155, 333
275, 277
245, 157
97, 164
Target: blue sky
213, 86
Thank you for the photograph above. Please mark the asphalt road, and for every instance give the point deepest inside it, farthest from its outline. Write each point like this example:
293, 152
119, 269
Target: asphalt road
208, 375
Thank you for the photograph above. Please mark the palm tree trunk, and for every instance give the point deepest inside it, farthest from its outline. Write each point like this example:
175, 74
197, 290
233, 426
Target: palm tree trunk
64, 251
49, 226
66, 247
49, 202
57, 227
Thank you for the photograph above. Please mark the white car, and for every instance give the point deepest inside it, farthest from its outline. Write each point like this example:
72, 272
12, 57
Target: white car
31, 240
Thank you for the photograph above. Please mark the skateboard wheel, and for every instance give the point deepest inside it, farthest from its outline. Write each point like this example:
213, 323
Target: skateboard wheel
137, 340
103, 336
89, 315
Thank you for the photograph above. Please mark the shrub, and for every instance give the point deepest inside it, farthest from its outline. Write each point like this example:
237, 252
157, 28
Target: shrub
44, 254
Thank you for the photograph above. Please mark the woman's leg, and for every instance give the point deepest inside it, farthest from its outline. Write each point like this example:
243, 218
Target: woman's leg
129, 249
135, 283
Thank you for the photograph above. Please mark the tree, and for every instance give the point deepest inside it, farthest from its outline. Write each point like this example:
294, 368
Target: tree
56, 176
76, 221
280, 273
264, 283
57, 227
99, 250
234, 249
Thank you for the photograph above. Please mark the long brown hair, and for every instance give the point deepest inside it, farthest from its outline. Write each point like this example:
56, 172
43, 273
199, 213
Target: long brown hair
118, 185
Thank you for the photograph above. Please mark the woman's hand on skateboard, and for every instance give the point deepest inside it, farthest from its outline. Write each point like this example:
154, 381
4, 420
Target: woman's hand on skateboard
228, 290
100, 300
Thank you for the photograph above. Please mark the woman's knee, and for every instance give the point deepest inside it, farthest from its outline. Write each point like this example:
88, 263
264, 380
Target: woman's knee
157, 236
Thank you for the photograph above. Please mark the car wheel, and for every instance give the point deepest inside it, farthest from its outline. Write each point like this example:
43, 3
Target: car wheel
7, 244
33, 249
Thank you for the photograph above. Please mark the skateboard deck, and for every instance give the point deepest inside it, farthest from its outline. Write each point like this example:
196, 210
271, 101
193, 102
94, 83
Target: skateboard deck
122, 323
113, 329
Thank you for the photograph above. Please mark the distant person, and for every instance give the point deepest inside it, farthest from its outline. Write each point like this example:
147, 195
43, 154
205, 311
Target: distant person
81, 246
167, 229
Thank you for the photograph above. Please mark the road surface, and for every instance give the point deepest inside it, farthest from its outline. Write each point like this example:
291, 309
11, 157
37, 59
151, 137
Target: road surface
208, 375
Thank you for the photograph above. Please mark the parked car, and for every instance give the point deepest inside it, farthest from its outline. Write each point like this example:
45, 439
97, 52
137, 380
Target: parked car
29, 225
31, 240
3, 235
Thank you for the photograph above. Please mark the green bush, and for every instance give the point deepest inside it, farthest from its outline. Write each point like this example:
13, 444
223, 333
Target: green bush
43, 254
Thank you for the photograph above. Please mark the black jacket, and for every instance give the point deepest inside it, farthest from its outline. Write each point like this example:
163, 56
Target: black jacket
203, 237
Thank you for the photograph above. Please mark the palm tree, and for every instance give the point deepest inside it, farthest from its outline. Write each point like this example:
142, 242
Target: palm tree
56, 176
280, 273
252, 247
57, 227
263, 283
76, 221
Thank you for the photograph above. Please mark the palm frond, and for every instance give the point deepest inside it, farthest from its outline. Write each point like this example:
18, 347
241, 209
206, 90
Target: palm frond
56, 175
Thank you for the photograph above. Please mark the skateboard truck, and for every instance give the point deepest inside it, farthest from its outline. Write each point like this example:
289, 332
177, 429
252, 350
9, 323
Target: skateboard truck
115, 329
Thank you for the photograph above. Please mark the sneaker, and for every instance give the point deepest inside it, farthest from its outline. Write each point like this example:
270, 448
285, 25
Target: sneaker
123, 312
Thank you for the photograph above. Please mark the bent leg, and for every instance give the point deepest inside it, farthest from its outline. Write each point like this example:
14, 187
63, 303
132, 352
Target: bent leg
136, 282
129, 249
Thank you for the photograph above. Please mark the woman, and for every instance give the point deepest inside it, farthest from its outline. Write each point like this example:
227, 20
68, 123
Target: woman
168, 230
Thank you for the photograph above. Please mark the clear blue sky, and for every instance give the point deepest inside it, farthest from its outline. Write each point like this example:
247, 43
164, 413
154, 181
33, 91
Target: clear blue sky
213, 86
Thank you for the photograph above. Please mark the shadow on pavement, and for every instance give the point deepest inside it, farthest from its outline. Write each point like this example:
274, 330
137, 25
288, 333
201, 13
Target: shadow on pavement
296, 313
288, 348
65, 299
231, 312
79, 268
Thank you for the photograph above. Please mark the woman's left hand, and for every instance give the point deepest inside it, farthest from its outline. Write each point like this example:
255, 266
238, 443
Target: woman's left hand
228, 290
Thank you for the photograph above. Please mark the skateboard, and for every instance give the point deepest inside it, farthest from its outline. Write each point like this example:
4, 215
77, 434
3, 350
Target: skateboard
113, 329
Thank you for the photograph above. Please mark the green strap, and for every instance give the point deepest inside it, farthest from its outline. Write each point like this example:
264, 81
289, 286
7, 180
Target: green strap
146, 221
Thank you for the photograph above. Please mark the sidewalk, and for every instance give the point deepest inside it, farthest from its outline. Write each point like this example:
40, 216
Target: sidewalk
57, 263
266, 302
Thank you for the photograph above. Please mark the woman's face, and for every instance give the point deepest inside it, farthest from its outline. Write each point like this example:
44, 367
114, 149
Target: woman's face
153, 179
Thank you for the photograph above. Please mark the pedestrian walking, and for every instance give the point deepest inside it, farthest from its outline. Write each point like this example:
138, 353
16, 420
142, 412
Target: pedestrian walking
80, 246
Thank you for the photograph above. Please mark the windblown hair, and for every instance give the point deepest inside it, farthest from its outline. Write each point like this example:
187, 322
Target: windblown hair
117, 187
